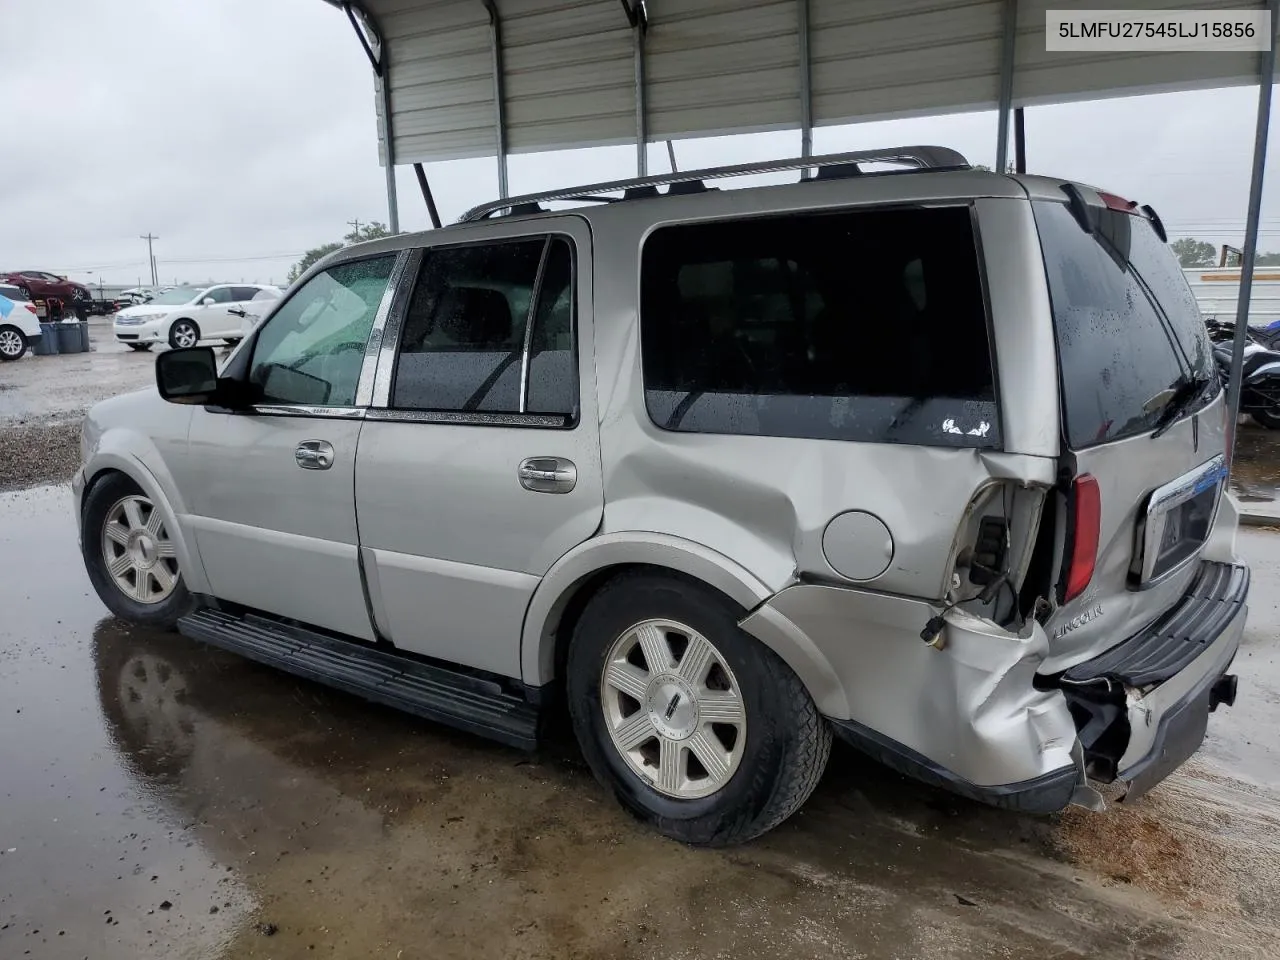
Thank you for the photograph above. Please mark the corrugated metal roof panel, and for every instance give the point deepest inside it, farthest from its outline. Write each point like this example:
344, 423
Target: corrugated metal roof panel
721, 66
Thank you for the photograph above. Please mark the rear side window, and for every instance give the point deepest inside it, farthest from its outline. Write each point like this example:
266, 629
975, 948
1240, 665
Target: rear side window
468, 346
244, 293
1127, 323
868, 325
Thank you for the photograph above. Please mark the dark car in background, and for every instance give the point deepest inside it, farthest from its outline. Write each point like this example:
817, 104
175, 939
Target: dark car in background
40, 284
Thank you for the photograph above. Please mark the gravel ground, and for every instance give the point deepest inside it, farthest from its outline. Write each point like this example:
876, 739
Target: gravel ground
38, 454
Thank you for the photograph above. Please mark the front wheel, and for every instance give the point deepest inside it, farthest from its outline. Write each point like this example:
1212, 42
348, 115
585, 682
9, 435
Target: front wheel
12, 344
130, 555
184, 333
697, 728
139, 346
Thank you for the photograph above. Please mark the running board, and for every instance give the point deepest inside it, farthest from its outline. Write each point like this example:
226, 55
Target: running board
458, 699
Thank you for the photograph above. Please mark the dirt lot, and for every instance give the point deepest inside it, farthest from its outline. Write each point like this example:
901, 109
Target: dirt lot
162, 799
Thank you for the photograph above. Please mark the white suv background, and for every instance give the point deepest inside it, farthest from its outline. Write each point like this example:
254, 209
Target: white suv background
186, 315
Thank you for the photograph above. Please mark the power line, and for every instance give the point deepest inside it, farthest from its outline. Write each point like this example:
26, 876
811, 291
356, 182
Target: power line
151, 257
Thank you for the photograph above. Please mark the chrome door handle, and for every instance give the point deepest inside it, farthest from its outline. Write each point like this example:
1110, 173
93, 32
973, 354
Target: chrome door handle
548, 474
314, 455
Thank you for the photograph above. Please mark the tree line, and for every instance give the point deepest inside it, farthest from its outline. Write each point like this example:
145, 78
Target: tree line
370, 231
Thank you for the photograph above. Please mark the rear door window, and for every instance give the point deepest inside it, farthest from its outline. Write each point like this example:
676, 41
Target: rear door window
467, 345
865, 325
1126, 321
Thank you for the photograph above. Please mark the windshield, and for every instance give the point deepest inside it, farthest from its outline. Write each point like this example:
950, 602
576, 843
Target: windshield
176, 296
1127, 324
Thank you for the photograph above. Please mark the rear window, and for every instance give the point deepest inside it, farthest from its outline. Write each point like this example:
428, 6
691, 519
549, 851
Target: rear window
868, 325
1127, 323
13, 293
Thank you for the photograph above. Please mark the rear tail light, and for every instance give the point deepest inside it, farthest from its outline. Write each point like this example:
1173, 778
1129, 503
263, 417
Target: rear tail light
31, 307
1086, 513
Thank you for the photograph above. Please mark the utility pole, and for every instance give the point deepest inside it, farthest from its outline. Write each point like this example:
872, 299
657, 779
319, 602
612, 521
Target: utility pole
355, 227
151, 258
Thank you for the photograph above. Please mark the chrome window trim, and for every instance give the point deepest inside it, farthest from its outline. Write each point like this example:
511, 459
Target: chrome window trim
532, 312
473, 418
1164, 499
301, 410
389, 345
372, 348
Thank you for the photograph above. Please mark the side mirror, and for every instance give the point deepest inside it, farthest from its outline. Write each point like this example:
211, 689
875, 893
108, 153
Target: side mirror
208, 302
188, 375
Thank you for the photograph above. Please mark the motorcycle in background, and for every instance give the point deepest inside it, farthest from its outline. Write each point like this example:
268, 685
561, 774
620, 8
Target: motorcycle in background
1260, 378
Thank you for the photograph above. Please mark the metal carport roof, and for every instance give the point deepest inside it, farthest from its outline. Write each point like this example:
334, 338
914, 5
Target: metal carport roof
469, 78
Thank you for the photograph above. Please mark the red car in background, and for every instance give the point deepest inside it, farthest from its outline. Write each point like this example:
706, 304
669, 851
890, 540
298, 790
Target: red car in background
40, 285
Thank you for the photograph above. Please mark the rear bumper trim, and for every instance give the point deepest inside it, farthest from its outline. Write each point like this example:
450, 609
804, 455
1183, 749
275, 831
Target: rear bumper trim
1177, 637
1046, 793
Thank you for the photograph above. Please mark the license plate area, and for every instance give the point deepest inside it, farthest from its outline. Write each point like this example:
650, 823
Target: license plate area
1177, 522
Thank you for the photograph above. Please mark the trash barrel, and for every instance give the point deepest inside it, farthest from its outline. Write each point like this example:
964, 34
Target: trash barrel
68, 337
48, 342
83, 326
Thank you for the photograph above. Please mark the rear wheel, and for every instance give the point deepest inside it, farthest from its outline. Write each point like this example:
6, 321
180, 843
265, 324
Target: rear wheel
139, 346
1267, 418
12, 343
184, 333
130, 555
698, 729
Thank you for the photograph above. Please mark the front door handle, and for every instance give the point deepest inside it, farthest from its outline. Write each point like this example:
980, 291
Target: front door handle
548, 474
314, 455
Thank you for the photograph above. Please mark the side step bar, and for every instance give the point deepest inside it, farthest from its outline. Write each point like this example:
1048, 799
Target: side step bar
458, 699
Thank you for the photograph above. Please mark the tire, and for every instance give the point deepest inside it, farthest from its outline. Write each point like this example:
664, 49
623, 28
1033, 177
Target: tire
82, 314
13, 344
184, 333
150, 604
1266, 418
784, 740
140, 347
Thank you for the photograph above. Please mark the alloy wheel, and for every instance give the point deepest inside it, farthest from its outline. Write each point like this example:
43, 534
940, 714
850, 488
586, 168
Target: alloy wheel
11, 344
184, 334
673, 708
139, 556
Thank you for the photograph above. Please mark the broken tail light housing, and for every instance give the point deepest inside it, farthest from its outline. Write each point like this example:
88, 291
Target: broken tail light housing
1086, 522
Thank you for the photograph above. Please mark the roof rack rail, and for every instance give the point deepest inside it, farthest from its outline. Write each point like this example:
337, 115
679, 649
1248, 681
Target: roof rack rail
919, 157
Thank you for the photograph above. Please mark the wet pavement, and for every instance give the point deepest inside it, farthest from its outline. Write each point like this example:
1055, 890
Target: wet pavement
162, 799
44, 390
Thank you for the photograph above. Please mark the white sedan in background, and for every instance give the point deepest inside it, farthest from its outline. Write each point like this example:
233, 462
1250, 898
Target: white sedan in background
184, 316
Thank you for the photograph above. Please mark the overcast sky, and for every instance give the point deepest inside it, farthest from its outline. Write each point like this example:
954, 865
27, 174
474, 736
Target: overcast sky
241, 132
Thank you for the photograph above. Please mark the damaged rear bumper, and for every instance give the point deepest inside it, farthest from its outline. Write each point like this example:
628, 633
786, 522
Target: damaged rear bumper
1143, 706
975, 717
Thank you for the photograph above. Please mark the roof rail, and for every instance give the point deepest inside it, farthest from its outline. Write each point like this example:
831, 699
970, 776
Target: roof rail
920, 157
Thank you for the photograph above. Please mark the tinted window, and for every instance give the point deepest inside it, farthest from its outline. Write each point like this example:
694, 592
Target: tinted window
13, 293
217, 295
553, 364
463, 347
310, 351
867, 325
243, 293
1127, 325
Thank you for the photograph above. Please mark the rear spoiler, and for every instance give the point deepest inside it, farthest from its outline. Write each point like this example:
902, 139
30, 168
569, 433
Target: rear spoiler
1079, 208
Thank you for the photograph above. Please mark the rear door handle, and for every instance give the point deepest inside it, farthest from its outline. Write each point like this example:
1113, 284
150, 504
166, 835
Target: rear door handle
548, 474
314, 455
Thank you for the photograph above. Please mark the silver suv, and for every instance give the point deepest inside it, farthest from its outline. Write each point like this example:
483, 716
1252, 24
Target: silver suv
931, 459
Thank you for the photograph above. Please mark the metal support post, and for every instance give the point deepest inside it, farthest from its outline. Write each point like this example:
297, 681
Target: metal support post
639, 17
1019, 142
1266, 80
1006, 84
806, 82
499, 95
426, 195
